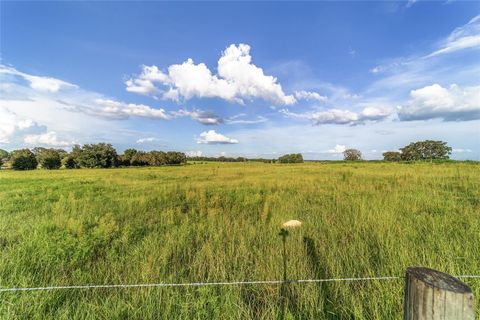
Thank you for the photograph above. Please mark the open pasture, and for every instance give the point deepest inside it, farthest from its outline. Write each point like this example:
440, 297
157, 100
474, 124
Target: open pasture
220, 222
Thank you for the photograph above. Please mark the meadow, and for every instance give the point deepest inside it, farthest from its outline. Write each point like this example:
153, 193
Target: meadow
220, 222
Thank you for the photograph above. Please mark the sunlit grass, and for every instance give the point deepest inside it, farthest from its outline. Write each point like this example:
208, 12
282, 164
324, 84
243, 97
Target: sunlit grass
220, 222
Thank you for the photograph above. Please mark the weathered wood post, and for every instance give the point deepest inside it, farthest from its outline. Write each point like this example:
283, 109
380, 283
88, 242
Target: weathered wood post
431, 294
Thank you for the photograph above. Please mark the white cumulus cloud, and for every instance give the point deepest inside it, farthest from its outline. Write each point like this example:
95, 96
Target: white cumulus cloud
237, 79
48, 138
192, 153
450, 104
212, 137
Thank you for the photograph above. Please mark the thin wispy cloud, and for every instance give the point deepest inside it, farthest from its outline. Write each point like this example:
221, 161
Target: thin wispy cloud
203, 117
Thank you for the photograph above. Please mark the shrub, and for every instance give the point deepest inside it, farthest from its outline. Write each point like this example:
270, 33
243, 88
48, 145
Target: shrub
392, 156
69, 162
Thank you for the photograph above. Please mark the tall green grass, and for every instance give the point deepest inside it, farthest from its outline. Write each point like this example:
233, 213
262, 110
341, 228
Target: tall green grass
220, 222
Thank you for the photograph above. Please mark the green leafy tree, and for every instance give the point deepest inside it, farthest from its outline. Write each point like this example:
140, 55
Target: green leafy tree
23, 159
174, 157
392, 156
157, 158
291, 158
50, 159
426, 150
100, 155
352, 155
126, 158
141, 158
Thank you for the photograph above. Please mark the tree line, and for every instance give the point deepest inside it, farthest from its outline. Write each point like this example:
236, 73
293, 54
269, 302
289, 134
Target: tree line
229, 159
103, 155
415, 151
100, 155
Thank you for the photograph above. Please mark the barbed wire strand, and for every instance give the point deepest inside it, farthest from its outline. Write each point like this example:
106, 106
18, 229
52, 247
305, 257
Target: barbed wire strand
202, 284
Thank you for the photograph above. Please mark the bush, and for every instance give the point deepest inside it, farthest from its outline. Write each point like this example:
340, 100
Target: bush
23, 159
69, 162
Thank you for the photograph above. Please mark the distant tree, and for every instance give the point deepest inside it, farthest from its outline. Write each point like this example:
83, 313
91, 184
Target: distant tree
100, 155
49, 159
426, 150
352, 155
4, 154
123, 161
128, 155
156, 158
23, 159
176, 157
392, 156
291, 158
140, 158
69, 162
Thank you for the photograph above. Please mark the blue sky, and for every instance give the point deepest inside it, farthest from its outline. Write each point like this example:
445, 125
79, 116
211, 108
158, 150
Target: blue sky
251, 79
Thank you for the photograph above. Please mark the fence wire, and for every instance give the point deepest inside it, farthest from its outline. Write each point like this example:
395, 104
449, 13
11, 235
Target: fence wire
204, 284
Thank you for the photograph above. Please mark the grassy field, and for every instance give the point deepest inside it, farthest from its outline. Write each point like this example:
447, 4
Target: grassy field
220, 222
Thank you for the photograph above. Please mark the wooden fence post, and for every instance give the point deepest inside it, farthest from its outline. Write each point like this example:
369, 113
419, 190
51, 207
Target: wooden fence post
431, 294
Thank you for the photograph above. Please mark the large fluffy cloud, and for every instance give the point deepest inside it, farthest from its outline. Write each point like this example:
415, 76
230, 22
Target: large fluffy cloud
12, 125
212, 137
237, 79
450, 104
7, 125
48, 139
